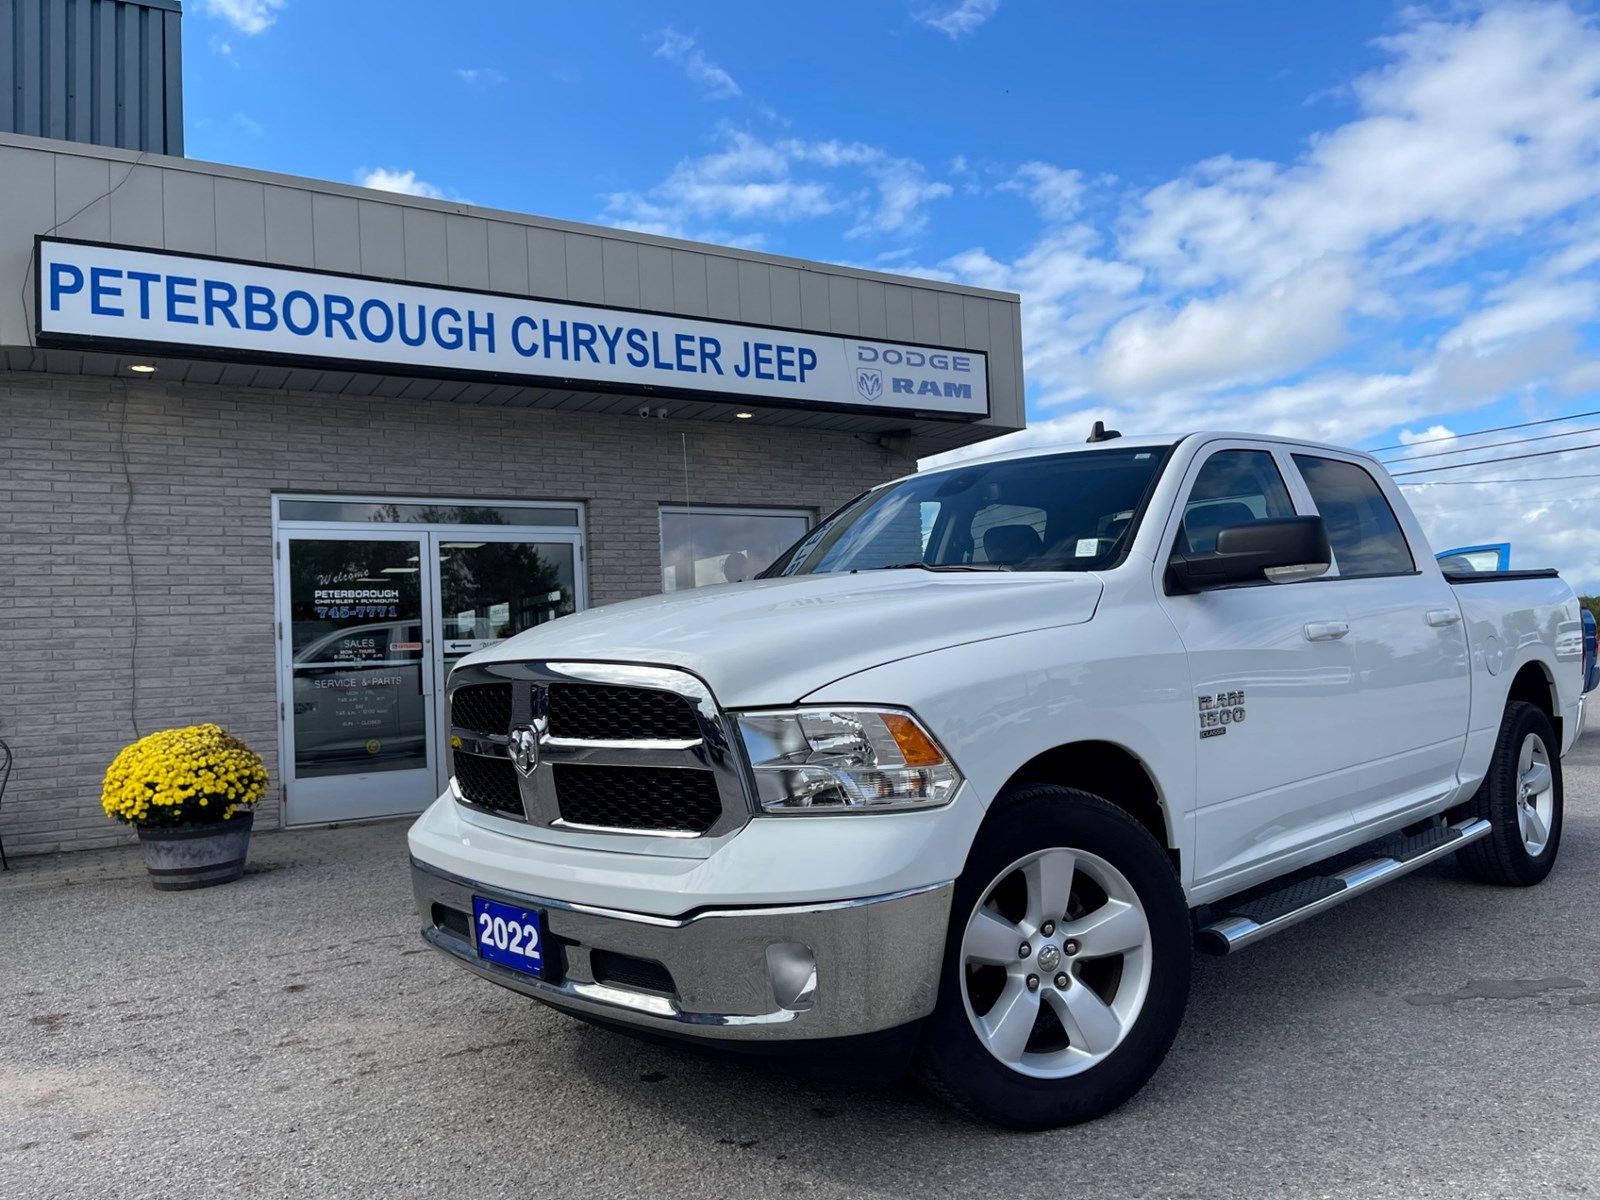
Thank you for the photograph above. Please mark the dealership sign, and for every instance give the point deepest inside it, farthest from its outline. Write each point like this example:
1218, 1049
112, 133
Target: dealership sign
144, 300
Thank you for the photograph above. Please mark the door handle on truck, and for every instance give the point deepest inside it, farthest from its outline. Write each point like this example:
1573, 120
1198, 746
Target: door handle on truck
1443, 618
1326, 631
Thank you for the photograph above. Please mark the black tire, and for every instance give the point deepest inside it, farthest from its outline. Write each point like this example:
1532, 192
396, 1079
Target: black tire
1503, 857
958, 1065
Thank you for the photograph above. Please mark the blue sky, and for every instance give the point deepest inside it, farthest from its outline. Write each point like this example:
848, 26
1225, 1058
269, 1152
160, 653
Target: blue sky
1359, 221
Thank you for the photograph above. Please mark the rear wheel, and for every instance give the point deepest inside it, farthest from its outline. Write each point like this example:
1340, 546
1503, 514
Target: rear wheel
1521, 799
1066, 969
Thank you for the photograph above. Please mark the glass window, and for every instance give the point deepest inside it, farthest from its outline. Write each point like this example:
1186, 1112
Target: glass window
703, 546
1362, 529
1050, 512
1235, 487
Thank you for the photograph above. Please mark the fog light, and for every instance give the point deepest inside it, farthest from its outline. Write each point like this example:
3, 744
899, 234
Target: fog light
793, 970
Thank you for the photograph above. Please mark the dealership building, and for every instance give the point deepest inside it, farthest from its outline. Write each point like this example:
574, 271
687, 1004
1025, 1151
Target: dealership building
275, 452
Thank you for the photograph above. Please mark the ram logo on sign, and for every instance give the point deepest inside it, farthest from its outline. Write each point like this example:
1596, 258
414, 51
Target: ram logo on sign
915, 373
869, 382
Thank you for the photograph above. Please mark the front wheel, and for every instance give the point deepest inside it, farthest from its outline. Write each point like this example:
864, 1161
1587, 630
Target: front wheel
1066, 968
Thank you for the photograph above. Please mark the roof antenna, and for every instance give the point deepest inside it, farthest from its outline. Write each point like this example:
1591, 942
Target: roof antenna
1101, 434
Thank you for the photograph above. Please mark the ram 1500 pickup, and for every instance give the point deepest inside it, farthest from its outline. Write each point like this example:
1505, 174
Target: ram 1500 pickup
973, 766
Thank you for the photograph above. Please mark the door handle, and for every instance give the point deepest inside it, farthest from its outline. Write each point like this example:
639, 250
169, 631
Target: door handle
1442, 618
1326, 631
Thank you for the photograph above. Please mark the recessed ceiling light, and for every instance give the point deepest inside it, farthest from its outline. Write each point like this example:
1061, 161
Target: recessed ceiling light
142, 368
744, 416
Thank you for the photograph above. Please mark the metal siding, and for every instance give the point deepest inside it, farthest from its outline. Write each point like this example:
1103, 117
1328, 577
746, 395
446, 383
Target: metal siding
241, 219
153, 91
924, 315
619, 272
427, 260
382, 231
814, 304
785, 296
103, 68
336, 232
976, 322
844, 305
81, 80
690, 293
189, 212
722, 287
1005, 383
172, 80
135, 203
56, 54
547, 263
873, 307
81, 187
585, 269
129, 94
8, 65
467, 245
289, 239
655, 278
755, 293
952, 320
508, 258
897, 303
29, 81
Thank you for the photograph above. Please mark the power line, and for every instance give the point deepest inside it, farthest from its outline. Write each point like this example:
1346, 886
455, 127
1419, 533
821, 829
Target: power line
1489, 462
1543, 437
1480, 432
1476, 482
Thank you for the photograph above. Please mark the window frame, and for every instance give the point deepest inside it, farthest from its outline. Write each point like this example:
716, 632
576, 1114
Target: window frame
1336, 569
1299, 500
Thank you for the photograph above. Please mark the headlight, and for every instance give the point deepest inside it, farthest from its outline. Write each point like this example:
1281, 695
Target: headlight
845, 760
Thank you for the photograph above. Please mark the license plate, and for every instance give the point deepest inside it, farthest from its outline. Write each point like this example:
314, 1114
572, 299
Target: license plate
510, 936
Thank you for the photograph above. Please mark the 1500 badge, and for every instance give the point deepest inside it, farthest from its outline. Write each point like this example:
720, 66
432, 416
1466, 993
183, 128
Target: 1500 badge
1219, 711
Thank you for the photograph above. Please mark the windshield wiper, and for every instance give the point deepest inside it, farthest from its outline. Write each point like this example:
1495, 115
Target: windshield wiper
922, 566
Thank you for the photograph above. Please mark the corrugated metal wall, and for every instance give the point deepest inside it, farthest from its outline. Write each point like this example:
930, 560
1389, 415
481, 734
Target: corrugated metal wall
109, 72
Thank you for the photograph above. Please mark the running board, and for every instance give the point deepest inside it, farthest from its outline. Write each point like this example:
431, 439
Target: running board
1251, 921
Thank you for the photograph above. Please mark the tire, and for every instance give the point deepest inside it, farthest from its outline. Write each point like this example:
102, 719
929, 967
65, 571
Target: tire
1073, 1064
1521, 798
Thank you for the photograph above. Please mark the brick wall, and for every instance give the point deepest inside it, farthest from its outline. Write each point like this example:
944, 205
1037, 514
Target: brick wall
191, 541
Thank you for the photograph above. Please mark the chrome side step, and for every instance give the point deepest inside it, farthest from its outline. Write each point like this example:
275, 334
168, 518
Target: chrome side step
1266, 915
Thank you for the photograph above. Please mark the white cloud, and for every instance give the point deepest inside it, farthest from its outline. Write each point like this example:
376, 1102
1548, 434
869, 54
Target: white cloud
247, 16
387, 179
750, 178
961, 21
1434, 433
716, 84
1056, 193
481, 78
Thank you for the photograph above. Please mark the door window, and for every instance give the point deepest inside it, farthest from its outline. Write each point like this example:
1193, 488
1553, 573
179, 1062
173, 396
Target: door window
491, 589
704, 546
1235, 487
1362, 529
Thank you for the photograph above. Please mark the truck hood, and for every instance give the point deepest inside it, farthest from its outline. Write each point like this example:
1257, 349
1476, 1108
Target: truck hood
771, 641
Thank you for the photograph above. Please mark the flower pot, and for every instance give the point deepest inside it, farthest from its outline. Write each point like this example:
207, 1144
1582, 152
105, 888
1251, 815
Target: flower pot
196, 856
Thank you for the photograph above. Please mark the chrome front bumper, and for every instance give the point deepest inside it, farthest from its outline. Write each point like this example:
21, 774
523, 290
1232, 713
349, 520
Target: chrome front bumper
792, 973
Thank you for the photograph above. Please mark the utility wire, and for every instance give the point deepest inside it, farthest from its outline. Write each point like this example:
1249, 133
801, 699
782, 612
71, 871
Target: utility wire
1480, 432
1489, 462
1476, 482
1543, 437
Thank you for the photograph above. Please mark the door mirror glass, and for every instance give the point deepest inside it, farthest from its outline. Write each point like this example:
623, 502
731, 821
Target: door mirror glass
1273, 550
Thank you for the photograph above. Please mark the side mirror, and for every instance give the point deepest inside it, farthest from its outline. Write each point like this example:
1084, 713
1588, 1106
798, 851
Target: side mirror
1276, 550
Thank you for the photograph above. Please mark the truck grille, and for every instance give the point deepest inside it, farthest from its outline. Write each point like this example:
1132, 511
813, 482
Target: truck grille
489, 783
662, 799
621, 748
484, 708
596, 712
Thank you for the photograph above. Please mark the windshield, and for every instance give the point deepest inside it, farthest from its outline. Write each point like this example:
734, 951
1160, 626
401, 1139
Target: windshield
1058, 512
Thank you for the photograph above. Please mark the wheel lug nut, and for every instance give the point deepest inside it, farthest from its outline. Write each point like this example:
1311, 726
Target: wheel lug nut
1048, 928
1069, 947
1024, 950
1061, 981
1033, 983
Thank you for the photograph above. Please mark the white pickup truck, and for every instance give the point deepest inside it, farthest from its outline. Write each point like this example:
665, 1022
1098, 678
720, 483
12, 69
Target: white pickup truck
973, 766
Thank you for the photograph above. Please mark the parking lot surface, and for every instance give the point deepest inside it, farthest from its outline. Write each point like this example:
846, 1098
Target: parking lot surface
288, 1035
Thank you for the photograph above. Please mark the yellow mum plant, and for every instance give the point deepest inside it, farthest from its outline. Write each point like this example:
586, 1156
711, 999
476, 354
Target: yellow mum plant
193, 776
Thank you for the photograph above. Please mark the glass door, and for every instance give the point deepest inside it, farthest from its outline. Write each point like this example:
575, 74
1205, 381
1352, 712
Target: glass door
492, 584
357, 674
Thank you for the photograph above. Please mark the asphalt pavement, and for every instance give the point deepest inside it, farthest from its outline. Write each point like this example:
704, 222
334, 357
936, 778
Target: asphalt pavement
288, 1035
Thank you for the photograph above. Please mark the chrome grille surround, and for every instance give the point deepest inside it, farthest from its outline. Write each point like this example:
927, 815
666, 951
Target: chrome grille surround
713, 751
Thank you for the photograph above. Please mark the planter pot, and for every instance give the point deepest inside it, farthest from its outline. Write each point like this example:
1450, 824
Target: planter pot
196, 856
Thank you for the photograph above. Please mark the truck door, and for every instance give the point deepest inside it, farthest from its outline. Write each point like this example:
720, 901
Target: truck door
1410, 646
1274, 684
